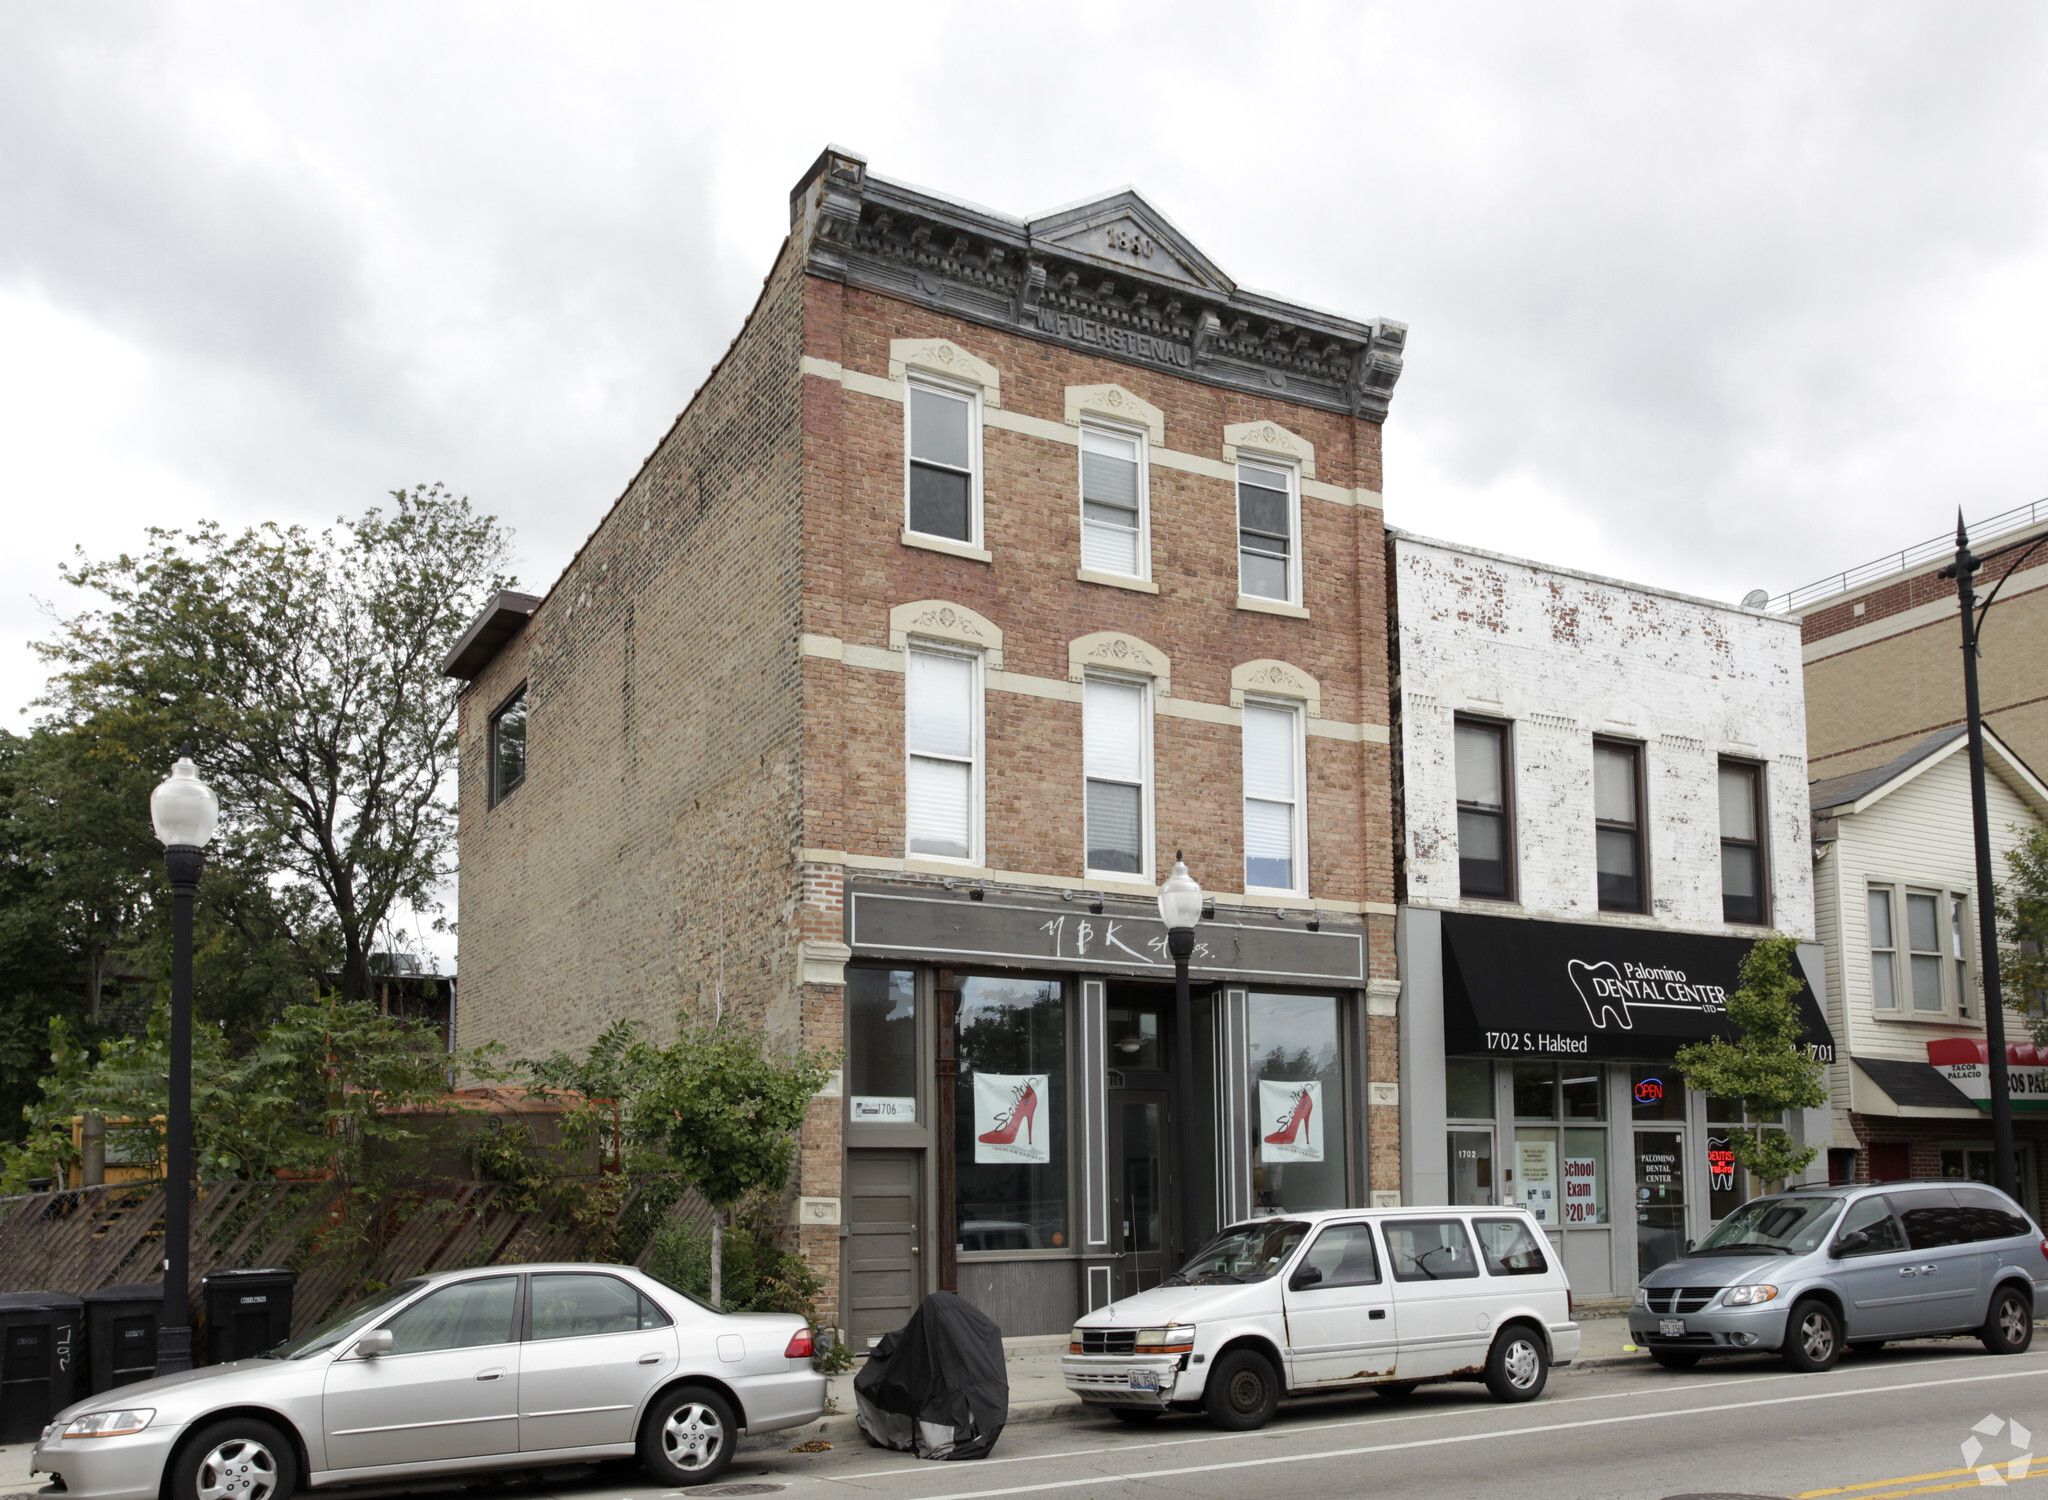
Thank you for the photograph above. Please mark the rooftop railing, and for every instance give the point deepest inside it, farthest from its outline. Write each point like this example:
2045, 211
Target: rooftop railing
1908, 558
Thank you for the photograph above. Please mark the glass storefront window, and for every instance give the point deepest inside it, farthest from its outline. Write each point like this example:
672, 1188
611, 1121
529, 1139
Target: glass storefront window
1582, 1177
881, 1047
1582, 1088
1656, 1094
1728, 1185
1134, 1038
1535, 1091
1536, 1182
1010, 1113
1468, 1088
1297, 1102
1471, 1168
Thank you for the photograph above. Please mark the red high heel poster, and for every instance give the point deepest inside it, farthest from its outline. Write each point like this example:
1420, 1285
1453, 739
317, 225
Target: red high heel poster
1290, 1122
1012, 1118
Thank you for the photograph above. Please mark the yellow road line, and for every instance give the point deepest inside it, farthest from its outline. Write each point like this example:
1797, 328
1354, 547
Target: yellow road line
1875, 1489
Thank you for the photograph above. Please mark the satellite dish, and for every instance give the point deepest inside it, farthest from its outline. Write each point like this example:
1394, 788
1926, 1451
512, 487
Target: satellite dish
1756, 599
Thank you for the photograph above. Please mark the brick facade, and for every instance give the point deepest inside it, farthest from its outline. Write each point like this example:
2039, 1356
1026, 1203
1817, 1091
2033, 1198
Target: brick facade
716, 737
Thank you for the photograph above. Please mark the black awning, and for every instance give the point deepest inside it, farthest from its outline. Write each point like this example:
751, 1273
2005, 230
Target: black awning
1916, 1085
1519, 988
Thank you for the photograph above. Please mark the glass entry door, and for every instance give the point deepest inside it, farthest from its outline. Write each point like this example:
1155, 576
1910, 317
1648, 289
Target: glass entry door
1660, 1198
1139, 1189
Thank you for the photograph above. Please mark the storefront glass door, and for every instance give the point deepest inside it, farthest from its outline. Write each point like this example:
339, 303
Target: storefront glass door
1138, 1185
1660, 1198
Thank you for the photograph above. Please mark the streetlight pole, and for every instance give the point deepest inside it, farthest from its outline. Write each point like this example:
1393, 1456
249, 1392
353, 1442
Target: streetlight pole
1180, 908
2005, 1174
185, 813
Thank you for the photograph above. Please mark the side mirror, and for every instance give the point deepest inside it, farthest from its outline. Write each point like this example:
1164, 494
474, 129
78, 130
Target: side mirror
1688, 1246
376, 1341
1853, 1241
1307, 1276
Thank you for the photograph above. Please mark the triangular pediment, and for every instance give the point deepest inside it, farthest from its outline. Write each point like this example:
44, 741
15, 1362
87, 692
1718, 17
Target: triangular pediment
1123, 231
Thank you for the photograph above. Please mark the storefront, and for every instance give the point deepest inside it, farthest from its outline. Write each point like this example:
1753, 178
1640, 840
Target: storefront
1912, 1119
1536, 1069
1010, 1106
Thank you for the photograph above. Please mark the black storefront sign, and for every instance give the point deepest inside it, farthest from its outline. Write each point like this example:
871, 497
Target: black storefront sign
1041, 934
1515, 988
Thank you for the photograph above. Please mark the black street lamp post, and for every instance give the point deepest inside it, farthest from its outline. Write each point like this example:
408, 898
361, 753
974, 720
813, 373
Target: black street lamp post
2005, 1174
185, 813
1180, 908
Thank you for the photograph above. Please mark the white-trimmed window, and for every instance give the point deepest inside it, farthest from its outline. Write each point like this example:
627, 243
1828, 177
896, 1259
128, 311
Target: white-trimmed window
1114, 537
1959, 949
1268, 532
943, 753
1924, 950
1116, 754
1273, 772
1884, 951
942, 461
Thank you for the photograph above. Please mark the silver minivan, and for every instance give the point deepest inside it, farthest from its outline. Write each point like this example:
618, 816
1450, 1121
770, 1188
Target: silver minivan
1814, 1270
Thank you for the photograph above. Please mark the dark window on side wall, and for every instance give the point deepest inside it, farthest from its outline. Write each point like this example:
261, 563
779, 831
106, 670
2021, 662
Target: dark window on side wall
1483, 853
508, 747
1742, 850
1618, 823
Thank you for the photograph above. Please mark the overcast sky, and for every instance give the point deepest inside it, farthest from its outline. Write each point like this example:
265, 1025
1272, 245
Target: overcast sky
1712, 296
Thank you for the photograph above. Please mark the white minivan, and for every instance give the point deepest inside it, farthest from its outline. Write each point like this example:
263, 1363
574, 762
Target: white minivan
1340, 1299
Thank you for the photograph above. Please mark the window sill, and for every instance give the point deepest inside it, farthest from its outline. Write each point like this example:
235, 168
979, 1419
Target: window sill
946, 545
1925, 1018
1120, 877
1116, 581
1260, 606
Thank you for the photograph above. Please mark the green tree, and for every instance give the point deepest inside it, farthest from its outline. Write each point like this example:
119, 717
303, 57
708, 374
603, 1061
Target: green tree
306, 668
2022, 905
724, 1112
1764, 1066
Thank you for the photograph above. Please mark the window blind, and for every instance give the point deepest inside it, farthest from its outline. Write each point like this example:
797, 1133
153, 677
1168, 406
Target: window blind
938, 803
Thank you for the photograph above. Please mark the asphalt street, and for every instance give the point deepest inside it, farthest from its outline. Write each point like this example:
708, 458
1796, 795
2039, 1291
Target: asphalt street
1874, 1428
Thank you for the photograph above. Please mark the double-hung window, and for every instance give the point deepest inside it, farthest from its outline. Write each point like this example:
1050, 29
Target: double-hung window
1924, 949
943, 745
1482, 771
944, 463
1959, 950
1268, 533
1272, 799
1116, 753
508, 747
1884, 951
1113, 536
1618, 823
1742, 853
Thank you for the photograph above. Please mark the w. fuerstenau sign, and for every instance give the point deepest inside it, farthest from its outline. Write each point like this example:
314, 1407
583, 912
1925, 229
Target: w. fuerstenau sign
1515, 988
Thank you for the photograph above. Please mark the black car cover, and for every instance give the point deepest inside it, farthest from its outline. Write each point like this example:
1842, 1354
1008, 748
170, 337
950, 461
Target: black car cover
936, 1387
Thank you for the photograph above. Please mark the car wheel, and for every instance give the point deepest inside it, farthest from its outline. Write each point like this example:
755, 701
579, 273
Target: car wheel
688, 1436
2010, 1328
1135, 1416
1813, 1337
238, 1459
1395, 1390
1242, 1392
1674, 1359
1517, 1366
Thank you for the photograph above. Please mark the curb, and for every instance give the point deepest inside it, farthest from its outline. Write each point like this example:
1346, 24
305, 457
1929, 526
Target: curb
841, 1427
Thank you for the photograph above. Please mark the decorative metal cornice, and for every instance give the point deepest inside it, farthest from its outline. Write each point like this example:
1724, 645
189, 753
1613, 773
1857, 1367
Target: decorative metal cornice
1112, 276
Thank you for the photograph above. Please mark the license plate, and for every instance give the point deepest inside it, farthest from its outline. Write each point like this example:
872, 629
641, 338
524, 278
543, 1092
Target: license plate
1671, 1328
1145, 1380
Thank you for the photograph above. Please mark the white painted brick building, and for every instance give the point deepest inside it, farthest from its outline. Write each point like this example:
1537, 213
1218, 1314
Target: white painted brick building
1602, 797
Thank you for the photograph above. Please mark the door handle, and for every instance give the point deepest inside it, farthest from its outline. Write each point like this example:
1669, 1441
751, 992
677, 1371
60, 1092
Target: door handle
916, 1250
650, 1359
1377, 1313
1907, 1271
1929, 1270
491, 1374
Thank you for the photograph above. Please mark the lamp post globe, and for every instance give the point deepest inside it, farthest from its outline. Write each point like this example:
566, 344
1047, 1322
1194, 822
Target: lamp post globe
1180, 908
186, 814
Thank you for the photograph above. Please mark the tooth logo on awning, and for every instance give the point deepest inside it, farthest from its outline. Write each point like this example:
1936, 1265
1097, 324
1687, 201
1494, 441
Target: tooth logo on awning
1612, 992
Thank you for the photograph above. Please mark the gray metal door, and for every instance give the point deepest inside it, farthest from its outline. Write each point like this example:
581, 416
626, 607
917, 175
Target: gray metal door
884, 1249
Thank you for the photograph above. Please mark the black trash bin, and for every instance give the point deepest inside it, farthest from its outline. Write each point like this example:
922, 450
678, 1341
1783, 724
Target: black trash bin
39, 1360
248, 1312
121, 1324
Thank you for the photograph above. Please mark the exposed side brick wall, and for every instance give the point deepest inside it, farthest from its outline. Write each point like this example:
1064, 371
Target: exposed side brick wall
648, 865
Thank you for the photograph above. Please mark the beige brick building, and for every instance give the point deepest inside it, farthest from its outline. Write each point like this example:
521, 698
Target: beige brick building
996, 561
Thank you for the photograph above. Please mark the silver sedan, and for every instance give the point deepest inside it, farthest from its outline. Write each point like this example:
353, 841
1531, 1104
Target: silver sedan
501, 1367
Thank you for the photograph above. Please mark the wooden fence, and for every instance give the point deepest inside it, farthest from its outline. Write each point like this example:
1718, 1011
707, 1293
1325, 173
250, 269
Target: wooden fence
86, 1238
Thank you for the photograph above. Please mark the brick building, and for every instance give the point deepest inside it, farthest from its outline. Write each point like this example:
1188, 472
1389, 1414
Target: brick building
1602, 793
995, 561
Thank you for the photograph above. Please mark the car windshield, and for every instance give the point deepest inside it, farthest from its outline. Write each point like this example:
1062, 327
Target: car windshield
1772, 1226
1246, 1252
342, 1324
